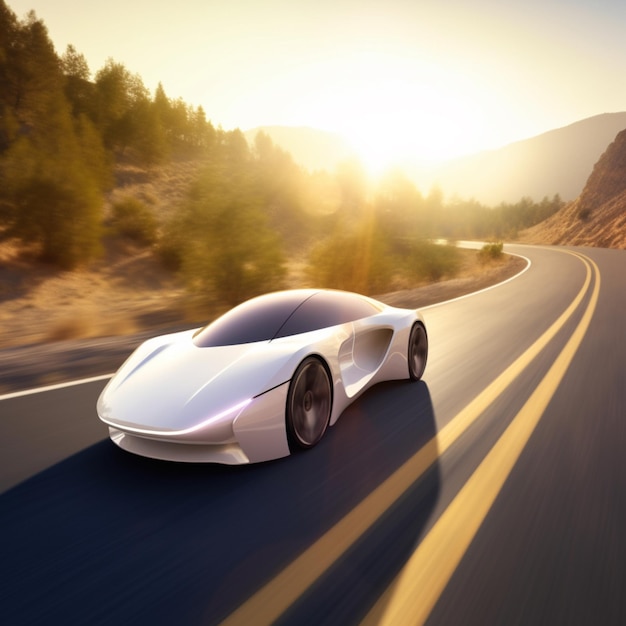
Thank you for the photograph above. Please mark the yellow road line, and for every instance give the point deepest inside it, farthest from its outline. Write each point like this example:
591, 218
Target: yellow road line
276, 596
415, 591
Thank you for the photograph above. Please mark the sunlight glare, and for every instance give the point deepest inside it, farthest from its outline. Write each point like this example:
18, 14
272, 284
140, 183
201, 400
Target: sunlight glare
392, 111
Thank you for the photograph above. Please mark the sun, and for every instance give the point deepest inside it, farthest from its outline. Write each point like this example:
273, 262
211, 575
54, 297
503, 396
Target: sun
393, 111
418, 122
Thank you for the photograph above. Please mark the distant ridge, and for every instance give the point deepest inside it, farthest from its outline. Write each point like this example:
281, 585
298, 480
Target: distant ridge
557, 161
598, 216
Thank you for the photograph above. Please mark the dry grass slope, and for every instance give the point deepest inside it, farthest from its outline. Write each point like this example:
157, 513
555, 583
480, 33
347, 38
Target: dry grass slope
128, 292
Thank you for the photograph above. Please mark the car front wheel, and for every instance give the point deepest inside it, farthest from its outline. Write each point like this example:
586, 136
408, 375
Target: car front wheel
309, 402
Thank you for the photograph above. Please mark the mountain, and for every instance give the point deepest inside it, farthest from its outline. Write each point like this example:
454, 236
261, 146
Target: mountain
312, 148
558, 161
598, 216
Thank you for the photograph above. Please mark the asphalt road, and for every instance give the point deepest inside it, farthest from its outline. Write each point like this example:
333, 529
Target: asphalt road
492, 492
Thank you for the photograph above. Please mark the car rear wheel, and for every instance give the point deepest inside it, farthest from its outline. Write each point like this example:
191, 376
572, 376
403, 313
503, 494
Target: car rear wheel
418, 351
309, 402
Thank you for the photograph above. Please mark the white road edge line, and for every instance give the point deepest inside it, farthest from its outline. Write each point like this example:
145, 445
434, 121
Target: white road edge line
84, 381
72, 383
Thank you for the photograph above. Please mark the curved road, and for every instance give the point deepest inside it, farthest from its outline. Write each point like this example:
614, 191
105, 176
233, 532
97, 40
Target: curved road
492, 492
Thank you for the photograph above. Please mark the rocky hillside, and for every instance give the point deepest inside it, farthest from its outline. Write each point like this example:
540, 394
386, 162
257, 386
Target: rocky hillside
598, 216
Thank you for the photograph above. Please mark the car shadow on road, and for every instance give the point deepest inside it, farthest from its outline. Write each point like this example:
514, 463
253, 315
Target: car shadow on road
379, 434
188, 543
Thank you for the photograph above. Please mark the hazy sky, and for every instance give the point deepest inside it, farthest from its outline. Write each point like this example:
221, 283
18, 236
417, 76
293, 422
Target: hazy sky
430, 78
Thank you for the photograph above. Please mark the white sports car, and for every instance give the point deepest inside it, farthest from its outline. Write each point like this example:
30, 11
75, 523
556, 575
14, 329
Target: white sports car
265, 379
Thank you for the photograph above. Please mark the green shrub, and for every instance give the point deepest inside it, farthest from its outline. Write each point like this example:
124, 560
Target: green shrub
351, 261
133, 219
62, 216
491, 252
432, 261
233, 257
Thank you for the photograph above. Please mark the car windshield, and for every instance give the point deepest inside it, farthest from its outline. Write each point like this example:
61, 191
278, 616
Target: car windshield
284, 314
325, 309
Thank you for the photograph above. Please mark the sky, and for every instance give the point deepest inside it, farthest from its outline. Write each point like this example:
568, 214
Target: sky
420, 79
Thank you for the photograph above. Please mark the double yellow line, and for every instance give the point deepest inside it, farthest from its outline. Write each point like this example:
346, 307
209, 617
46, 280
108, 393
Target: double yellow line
413, 594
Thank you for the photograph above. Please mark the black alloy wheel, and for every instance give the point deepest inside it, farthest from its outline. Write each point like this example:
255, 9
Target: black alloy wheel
309, 403
418, 351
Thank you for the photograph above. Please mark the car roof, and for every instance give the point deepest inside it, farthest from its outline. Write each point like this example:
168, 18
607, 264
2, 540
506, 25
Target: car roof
283, 314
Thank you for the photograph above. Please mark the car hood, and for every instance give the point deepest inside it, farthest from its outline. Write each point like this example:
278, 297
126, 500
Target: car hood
168, 383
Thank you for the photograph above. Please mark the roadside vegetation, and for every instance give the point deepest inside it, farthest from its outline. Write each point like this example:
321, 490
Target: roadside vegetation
65, 132
134, 219
491, 251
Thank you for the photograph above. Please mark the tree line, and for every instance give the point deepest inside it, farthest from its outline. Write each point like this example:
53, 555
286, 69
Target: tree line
62, 130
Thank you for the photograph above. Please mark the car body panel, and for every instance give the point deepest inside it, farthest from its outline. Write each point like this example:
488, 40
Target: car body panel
175, 400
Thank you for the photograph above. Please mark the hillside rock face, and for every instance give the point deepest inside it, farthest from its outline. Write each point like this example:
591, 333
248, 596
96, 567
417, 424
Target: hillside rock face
598, 216
608, 178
